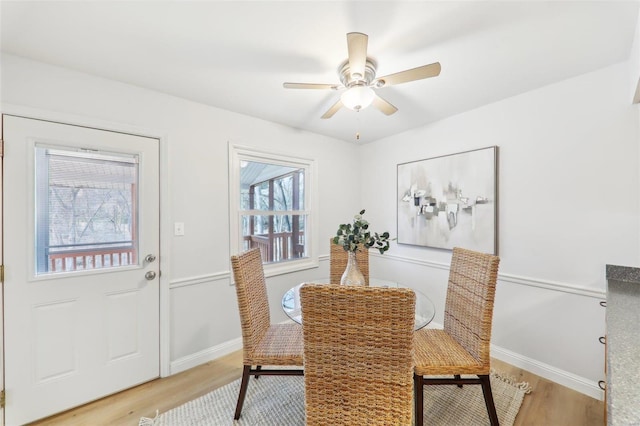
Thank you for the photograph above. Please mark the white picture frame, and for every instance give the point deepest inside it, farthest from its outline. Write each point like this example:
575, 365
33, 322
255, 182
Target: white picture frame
450, 201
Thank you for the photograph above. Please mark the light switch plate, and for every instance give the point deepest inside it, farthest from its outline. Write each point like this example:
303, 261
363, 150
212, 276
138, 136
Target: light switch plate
178, 228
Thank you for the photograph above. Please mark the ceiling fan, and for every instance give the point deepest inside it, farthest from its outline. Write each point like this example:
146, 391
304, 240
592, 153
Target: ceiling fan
358, 75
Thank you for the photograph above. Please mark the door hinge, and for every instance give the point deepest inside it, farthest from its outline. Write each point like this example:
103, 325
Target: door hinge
2, 399
1, 148
1, 273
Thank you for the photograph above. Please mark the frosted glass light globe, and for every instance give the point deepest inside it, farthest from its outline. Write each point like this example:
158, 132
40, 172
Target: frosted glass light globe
357, 97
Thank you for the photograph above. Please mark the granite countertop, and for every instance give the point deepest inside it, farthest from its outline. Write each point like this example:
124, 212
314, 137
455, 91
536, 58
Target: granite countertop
623, 345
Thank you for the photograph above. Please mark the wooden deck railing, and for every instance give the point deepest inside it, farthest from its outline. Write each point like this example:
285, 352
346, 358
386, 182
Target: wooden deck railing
67, 260
276, 247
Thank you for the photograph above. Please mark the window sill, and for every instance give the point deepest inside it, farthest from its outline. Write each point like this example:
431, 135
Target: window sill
282, 268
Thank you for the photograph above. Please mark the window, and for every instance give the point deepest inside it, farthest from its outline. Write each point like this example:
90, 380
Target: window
85, 210
270, 208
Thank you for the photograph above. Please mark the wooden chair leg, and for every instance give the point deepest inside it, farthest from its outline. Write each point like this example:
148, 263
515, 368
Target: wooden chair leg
488, 400
258, 368
457, 377
418, 398
243, 390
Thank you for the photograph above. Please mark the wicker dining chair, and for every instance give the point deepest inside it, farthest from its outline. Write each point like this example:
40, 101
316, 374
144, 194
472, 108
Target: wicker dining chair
263, 343
463, 346
338, 258
358, 354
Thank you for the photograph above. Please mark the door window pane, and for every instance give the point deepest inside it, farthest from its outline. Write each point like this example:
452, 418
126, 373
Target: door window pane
86, 211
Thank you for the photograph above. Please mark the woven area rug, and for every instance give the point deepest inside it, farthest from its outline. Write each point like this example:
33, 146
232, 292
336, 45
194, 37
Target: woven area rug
279, 401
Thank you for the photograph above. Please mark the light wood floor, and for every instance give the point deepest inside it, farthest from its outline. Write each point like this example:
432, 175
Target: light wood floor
549, 404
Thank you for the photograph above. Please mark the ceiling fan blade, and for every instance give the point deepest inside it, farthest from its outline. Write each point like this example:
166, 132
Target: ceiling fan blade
383, 105
334, 108
425, 71
310, 86
357, 47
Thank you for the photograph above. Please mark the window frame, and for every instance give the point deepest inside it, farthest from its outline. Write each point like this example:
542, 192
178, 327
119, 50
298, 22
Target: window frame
238, 154
43, 265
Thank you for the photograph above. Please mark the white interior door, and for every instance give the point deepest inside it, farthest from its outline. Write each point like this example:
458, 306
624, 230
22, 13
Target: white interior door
81, 243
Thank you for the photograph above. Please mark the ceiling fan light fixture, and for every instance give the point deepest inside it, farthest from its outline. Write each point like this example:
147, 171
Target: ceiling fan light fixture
357, 97
358, 76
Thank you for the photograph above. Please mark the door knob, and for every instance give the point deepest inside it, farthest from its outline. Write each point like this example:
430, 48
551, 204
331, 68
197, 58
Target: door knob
150, 275
150, 258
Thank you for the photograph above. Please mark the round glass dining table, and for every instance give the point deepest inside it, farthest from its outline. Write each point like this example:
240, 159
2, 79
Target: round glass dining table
425, 310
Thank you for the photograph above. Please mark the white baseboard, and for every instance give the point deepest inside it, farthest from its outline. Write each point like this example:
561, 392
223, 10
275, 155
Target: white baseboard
564, 378
210, 354
572, 381
205, 355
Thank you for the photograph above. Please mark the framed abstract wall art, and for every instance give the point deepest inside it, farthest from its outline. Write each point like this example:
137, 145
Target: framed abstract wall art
450, 201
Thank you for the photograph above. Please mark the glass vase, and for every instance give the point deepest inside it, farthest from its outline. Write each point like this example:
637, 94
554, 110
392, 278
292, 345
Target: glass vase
352, 274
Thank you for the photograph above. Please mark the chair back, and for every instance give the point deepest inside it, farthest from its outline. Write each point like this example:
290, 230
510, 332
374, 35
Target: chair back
358, 349
468, 313
253, 303
338, 258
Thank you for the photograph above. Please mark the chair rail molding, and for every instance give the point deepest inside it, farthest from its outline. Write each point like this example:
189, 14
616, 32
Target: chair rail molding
200, 279
510, 278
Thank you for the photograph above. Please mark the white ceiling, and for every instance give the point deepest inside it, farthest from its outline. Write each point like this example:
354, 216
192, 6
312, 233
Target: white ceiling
236, 54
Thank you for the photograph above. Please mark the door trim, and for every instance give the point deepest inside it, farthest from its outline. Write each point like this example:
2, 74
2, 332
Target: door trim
165, 220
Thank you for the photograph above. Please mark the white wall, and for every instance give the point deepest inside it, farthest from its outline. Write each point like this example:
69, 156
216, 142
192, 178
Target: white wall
634, 76
204, 320
568, 205
634, 62
569, 196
